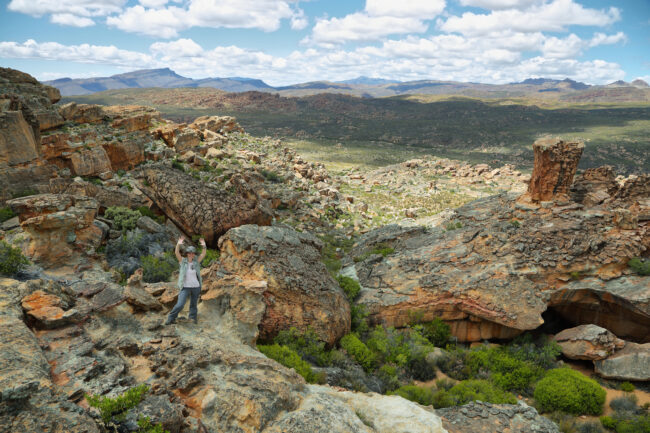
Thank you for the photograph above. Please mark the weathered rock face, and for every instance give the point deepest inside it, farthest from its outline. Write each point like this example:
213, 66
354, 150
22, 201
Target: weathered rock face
498, 276
556, 162
479, 417
199, 208
630, 363
17, 141
299, 292
106, 197
179, 137
131, 117
90, 162
59, 226
594, 186
82, 113
589, 342
218, 124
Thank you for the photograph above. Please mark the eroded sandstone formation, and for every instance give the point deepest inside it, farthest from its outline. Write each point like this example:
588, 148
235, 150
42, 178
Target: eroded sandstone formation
556, 162
299, 291
201, 209
588, 342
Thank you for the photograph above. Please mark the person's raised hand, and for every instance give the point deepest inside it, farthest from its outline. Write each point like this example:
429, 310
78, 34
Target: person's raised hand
202, 242
181, 240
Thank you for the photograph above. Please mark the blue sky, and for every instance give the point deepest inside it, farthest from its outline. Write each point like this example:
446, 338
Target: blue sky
288, 41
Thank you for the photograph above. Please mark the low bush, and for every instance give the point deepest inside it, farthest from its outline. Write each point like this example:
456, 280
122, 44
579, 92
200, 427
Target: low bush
123, 218
6, 214
590, 427
542, 352
176, 164
290, 359
271, 176
567, 390
350, 286
608, 422
12, 260
627, 387
418, 394
483, 390
380, 249
306, 344
359, 315
503, 369
158, 269
387, 373
638, 424
359, 352
116, 408
640, 266
437, 332
210, 257
624, 404
145, 426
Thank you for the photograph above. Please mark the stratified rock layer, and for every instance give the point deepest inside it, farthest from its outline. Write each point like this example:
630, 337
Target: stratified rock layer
300, 292
556, 162
200, 209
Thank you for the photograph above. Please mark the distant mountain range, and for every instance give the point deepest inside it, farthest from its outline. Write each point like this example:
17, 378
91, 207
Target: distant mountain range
361, 86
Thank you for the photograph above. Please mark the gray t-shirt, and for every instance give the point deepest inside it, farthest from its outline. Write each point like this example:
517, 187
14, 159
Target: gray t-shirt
190, 276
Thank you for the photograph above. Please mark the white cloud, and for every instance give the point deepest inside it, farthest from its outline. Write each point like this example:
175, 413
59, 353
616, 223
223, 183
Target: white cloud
83, 8
361, 27
500, 4
166, 22
554, 16
71, 20
603, 39
153, 3
298, 20
572, 46
421, 9
179, 48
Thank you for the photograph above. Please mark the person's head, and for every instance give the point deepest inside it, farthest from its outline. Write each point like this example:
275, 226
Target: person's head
190, 253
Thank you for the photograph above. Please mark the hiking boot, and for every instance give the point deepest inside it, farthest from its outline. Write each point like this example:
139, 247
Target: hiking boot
196, 321
169, 321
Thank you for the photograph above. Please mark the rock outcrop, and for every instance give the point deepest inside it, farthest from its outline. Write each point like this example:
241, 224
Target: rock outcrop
60, 227
588, 342
630, 363
299, 290
201, 209
479, 417
556, 162
594, 186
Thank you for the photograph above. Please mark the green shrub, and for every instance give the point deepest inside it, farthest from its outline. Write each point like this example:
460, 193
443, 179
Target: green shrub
12, 259
627, 387
608, 422
271, 176
542, 352
176, 164
640, 266
504, 369
290, 359
383, 250
350, 286
123, 218
145, 211
210, 257
116, 408
145, 426
306, 344
437, 332
590, 427
158, 269
24, 193
387, 373
6, 214
483, 390
627, 403
359, 315
358, 351
569, 391
418, 394
454, 225
638, 424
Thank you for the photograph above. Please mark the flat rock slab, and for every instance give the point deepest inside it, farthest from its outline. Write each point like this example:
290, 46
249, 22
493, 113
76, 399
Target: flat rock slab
630, 363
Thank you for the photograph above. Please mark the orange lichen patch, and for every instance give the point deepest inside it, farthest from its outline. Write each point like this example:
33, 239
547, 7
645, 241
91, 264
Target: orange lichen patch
194, 401
39, 299
59, 379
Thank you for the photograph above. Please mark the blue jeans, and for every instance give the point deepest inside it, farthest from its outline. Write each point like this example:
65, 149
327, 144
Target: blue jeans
193, 293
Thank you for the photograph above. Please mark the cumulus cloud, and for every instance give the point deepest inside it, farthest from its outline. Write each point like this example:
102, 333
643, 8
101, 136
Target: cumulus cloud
166, 22
71, 20
501, 4
84, 8
380, 18
554, 16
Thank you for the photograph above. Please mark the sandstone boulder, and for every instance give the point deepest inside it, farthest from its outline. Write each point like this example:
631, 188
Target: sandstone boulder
556, 162
17, 142
60, 227
199, 208
82, 113
630, 363
594, 186
217, 124
89, 161
300, 292
125, 155
131, 117
589, 342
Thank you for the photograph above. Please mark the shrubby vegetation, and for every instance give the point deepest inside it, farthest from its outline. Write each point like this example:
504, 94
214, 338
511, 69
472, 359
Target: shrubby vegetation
6, 214
210, 257
158, 269
569, 391
123, 218
12, 260
456, 395
115, 409
628, 417
640, 266
291, 359
383, 250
